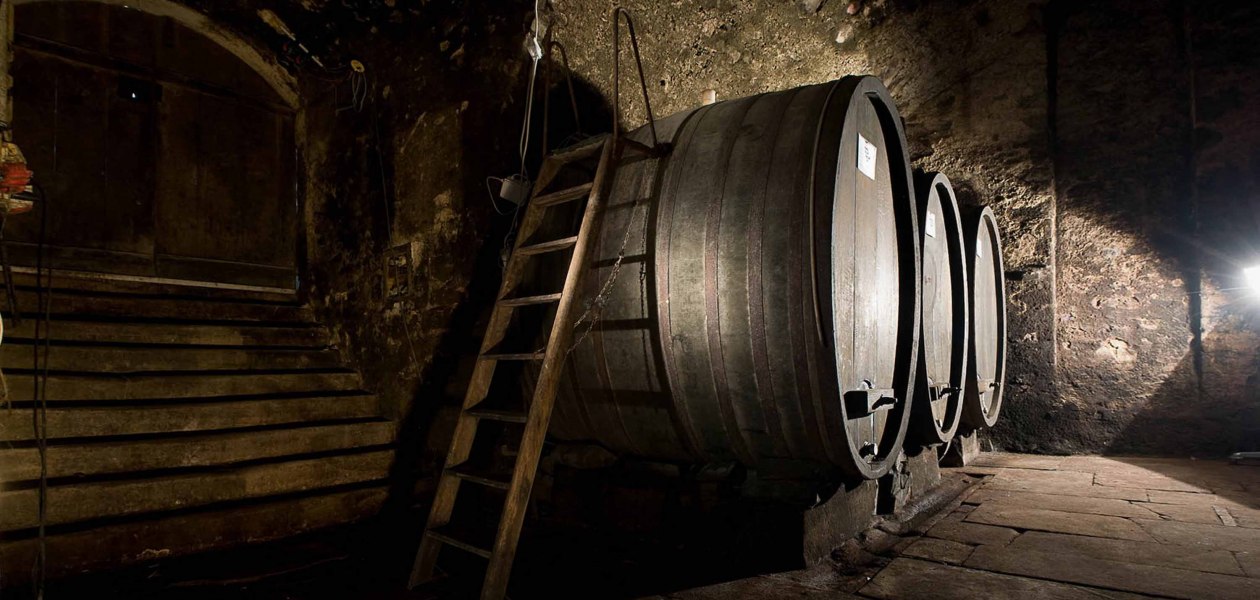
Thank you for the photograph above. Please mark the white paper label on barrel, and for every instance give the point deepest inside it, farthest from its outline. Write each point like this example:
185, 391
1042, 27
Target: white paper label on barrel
931, 224
866, 157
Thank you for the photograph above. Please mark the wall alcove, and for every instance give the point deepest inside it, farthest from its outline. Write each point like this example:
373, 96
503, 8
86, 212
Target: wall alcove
164, 151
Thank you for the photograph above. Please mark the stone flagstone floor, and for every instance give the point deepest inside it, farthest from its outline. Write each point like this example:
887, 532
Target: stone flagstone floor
1065, 528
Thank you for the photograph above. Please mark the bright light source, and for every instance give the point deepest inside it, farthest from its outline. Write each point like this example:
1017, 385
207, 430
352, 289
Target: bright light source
1251, 276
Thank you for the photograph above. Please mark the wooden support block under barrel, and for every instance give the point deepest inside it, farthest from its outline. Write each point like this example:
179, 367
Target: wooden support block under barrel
963, 450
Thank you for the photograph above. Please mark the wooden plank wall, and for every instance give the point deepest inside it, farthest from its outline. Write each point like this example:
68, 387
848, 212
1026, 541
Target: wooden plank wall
180, 419
160, 152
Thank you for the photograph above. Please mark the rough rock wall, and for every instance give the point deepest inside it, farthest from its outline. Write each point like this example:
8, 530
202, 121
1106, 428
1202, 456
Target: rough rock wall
1156, 151
407, 171
1226, 195
1121, 161
1122, 145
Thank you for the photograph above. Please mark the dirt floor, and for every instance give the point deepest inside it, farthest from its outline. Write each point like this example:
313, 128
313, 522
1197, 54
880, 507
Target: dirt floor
1061, 527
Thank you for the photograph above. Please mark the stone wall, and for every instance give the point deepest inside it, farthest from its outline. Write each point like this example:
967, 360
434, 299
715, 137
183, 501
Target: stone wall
1122, 158
408, 172
1117, 142
1226, 196
1156, 142
1079, 124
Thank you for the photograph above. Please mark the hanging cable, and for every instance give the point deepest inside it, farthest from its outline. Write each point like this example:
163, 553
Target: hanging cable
533, 45
515, 188
39, 389
529, 109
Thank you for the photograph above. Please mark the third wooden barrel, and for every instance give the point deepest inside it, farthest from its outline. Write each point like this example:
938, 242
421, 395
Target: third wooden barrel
987, 355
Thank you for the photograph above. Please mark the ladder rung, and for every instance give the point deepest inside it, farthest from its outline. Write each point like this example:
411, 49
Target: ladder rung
574, 153
499, 548
539, 355
442, 534
528, 300
636, 146
636, 157
484, 477
505, 416
544, 247
644, 150
565, 195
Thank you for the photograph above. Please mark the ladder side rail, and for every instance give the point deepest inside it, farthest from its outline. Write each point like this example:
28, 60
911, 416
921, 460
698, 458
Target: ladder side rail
479, 385
540, 409
621, 12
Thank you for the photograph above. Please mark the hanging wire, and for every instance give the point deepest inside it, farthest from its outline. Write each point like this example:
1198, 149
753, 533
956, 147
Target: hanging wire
39, 389
529, 109
389, 222
360, 88
380, 167
553, 47
513, 207
534, 46
39, 371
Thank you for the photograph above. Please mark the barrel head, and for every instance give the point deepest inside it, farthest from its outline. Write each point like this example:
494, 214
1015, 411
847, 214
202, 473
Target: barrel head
946, 314
987, 355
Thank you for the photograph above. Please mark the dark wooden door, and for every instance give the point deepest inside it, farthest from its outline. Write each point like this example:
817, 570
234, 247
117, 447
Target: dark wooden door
91, 152
161, 153
225, 198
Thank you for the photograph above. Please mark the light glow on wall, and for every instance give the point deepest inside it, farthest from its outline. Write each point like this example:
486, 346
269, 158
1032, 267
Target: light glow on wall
1251, 276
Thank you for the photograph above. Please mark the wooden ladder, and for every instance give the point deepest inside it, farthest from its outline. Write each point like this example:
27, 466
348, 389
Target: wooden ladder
536, 420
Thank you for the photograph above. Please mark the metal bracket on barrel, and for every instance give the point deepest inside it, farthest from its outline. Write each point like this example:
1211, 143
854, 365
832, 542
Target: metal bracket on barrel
939, 391
867, 401
985, 386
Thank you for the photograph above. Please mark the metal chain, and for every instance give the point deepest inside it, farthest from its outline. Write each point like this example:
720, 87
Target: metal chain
595, 308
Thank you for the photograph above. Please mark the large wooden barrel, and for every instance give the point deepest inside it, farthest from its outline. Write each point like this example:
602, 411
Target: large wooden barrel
987, 356
766, 309
946, 314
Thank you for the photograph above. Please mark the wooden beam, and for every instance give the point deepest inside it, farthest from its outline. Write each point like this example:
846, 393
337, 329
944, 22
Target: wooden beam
212, 449
88, 501
15, 424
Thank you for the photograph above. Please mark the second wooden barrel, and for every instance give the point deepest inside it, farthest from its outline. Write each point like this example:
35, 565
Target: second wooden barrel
766, 309
946, 314
987, 354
